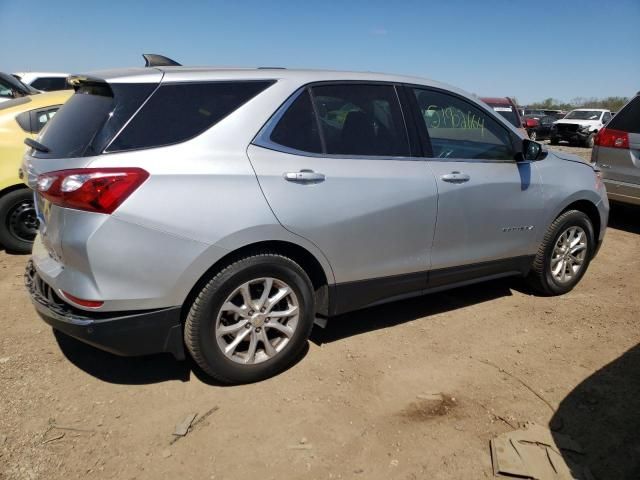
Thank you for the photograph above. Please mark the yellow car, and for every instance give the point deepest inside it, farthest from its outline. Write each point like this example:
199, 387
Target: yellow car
21, 118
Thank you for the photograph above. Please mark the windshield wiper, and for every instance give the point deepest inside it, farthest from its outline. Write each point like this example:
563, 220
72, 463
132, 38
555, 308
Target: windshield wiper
30, 142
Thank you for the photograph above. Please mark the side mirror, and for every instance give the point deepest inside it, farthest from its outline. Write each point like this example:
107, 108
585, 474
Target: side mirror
531, 151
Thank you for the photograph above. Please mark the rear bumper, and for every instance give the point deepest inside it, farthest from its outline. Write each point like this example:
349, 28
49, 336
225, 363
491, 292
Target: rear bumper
622, 191
122, 333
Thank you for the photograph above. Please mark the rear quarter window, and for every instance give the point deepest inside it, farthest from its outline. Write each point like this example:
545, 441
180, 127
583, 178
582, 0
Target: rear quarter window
178, 112
627, 119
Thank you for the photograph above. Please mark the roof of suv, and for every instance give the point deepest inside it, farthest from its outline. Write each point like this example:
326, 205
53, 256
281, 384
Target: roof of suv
171, 74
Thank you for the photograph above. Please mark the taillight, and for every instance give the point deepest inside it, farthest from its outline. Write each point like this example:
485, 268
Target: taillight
612, 138
100, 190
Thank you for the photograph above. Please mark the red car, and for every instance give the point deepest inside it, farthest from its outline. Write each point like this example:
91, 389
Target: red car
508, 109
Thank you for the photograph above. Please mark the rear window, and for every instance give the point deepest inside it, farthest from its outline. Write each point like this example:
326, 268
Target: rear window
627, 119
50, 83
507, 112
180, 111
90, 119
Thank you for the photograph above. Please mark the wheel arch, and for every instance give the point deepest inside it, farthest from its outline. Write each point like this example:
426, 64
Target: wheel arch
13, 188
303, 257
590, 210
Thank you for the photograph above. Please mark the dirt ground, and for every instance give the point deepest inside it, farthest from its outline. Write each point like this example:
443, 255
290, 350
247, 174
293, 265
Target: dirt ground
364, 401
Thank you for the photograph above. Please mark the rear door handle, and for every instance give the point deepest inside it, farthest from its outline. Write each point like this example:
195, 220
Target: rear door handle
304, 176
455, 177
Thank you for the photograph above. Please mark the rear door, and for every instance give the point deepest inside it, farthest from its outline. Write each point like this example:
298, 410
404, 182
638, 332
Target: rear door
622, 164
335, 166
489, 205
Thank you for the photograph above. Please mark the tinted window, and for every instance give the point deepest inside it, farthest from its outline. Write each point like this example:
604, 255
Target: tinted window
9, 82
42, 117
458, 129
298, 127
178, 112
627, 119
90, 118
50, 83
34, 120
361, 120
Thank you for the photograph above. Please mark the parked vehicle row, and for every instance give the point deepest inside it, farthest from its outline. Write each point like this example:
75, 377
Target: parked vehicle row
298, 195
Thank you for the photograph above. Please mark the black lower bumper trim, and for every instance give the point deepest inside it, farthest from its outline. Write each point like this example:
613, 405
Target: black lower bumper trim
122, 333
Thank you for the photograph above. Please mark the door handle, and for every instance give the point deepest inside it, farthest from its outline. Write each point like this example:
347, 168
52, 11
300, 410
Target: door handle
304, 176
455, 177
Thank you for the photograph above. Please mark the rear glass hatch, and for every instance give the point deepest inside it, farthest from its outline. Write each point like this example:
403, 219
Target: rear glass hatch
91, 118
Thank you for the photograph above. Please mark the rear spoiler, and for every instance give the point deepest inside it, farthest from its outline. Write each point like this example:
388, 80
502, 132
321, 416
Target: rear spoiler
155, 60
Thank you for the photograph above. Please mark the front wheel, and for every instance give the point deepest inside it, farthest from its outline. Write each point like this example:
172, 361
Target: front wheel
533, 135
18, 221
564, 255
590, 141
251, 320
554, 141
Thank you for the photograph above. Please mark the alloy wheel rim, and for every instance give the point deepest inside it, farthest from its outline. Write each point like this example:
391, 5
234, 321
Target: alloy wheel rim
257, 320
23, 221
569, 254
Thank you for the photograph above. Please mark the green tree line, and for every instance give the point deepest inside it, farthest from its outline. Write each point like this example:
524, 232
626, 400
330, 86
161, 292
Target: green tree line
610, 103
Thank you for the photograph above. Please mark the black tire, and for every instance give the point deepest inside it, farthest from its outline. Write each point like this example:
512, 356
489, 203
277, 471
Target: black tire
554, 141
18, 222
533, 135
200, 325
590, 140
541, 277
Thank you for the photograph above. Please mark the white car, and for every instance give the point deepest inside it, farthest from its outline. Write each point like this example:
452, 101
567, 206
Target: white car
580, 126
44, 81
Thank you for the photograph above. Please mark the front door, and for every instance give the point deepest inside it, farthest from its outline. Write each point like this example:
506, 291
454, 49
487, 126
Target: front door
336, 168
488, 204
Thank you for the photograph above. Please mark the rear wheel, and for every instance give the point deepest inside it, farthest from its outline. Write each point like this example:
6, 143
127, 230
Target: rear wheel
251, 320
564, 255
554, 141
18, 221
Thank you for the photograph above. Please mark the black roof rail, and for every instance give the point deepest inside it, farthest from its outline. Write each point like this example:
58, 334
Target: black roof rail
155, 60
272, 68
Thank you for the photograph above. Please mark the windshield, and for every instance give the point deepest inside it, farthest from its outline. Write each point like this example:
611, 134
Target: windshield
9, 82
584, 115
508, 113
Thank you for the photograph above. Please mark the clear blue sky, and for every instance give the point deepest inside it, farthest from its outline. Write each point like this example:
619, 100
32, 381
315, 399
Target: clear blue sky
531, 50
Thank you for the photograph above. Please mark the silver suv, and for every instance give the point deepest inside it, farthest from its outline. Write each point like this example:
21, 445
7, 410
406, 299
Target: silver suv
227, 210
617, 153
